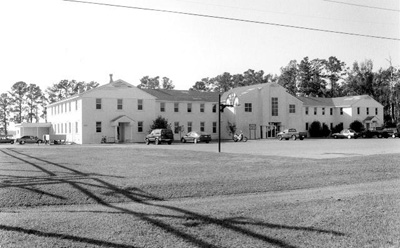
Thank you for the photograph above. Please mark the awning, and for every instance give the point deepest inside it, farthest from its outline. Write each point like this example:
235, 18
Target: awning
121, 119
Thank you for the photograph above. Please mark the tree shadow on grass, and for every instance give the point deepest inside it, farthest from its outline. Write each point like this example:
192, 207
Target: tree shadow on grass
139, 196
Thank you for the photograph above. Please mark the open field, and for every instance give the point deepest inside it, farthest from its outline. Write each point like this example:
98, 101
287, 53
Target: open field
174, 196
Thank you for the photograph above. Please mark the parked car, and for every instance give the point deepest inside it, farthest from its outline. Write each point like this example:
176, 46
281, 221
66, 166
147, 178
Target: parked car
291, 133
375, 132
29, 139
195, 137
5, 139
346, 133
160, 136
392, 132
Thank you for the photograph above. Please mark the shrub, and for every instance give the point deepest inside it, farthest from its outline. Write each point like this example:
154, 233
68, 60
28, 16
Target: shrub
337, 128
357, 126
315, 129
160, 122
325, 130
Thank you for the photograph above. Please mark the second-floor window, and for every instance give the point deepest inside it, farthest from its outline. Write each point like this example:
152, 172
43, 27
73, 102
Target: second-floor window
140, 104
358, 110
341, 111
189, 107
323, 111
176, 107
248, 107
306, 110
202, 107
315, 110
367, 111
98, 103
376, 111
214, 108
292, 108
331, 111
119, 103
162, 106
274, 106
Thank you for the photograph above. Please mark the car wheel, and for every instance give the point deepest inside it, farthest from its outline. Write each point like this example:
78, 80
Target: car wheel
39, 142
335, 137
280, 138
169, 142
183, 140
349, 136
12, 142
244, 139
147, 141
156, 142
22, 142
294, 137
379, 135
364, 136
207, 142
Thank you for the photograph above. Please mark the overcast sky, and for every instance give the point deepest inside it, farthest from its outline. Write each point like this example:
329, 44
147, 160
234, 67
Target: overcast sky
45, 41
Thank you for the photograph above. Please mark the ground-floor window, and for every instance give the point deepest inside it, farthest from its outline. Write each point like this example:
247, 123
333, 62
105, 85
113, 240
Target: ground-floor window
98, 126
176, 125
189, 126
202, 124
140, 126
306, 125
214, 127
76, 127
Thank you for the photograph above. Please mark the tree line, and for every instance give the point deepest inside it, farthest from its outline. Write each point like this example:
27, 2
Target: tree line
316, 77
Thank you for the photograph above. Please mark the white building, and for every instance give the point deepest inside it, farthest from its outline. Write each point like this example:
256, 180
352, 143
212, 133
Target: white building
124, 113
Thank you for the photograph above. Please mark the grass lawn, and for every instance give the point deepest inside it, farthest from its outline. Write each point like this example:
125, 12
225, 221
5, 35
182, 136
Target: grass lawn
73, 196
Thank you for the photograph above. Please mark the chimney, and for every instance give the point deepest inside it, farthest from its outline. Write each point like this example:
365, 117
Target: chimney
111, 80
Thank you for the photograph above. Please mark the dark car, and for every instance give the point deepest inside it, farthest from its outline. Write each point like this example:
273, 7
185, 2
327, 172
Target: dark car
346, 133
196, 137
29, 139
5, 139
159, 136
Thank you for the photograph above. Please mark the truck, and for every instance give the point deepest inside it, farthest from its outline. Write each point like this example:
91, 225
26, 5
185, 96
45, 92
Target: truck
291, 133
375, 132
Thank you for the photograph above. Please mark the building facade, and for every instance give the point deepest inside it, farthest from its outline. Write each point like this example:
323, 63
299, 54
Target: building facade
122, 112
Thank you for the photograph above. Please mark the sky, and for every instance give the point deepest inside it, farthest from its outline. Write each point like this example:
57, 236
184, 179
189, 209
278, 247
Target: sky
45, 41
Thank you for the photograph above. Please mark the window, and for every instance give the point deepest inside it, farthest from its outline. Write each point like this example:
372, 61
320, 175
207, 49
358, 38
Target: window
69, 127
202, 125
66, 130
76, 105
331, 111
306, 125
376, 111
76, 127
189, 126
292, 108
98, 126
69, 106
176, 125
119, 104
189, 107
358, 110
341, 111
274, 106
248, 107
214, 127
98, 103
62, 108
202, 107
367, 111
214, 108
62, 128
176, 107
140, 104
162, 106
323, 111
140, 126
315, 110
306, 110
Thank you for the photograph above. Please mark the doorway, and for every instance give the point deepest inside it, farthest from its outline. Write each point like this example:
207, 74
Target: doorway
121, 132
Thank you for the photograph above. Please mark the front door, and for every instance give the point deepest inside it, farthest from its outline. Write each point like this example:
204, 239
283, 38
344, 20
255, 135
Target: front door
121, 132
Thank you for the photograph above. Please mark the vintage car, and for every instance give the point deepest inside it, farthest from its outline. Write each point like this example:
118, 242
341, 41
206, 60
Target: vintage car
346, 133
195, 137
291, 133
6, 139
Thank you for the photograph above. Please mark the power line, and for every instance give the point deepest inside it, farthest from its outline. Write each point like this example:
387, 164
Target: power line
363, 6
234, 19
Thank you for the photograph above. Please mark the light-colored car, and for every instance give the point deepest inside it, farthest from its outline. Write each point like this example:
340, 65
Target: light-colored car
195, 137
346, 133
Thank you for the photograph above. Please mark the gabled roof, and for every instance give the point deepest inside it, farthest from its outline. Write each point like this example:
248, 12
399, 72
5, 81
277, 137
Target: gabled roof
345, 101
245, 89
183, 95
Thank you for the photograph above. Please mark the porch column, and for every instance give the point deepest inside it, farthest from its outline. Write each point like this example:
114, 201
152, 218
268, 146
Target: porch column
116, 133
